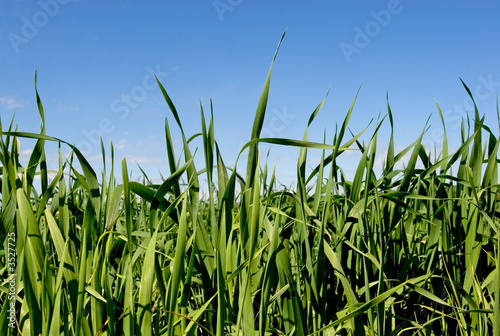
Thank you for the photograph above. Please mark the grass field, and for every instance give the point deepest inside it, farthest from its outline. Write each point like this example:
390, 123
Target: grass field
410, 251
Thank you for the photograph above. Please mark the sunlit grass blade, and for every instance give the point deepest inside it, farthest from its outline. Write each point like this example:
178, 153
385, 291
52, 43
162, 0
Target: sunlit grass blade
144, 312
259, 121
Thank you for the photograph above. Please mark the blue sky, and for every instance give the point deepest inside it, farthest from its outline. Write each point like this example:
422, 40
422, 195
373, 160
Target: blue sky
96, 59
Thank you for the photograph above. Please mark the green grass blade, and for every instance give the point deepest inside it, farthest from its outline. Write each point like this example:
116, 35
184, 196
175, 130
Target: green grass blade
259, 121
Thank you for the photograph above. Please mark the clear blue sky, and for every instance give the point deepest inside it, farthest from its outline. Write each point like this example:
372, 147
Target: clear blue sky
95, 62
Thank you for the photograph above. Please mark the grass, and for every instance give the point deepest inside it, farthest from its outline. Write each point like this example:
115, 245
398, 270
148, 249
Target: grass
411, 251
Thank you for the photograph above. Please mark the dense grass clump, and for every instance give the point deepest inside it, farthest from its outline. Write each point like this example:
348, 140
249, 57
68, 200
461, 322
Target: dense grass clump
411, 251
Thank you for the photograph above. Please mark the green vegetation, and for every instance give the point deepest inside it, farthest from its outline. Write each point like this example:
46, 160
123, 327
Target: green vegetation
412, 251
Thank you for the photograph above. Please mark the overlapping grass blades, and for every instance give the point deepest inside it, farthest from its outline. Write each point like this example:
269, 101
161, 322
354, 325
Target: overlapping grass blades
409, 248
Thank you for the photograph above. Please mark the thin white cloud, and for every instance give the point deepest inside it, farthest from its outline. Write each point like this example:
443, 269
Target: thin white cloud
97, 158
26, 151
25, 154
120, 144
124, 144
65, 107
145, 159
11, 102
